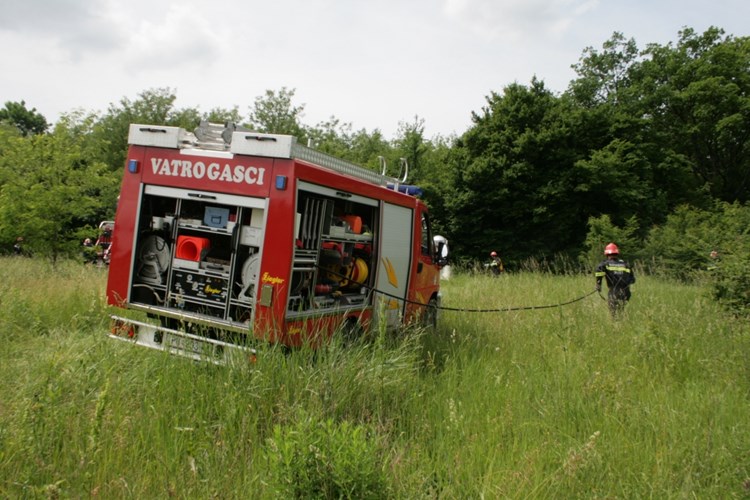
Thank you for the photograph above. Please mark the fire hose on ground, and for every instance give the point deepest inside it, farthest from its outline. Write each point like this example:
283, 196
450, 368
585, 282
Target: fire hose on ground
470, 310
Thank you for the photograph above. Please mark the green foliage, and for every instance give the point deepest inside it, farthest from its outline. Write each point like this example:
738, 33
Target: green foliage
636, 135
220, 115
730, 283
411, 146
324, 459
274, 113
684, 105
110, 132
617, 179
334, 138
698, 96
27, 121
366, 148
681, 247
512, 188
602, 232
603, 75
51, 189
707, 245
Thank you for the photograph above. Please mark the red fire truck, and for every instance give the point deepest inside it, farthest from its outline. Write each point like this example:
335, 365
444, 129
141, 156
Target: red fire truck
226, 236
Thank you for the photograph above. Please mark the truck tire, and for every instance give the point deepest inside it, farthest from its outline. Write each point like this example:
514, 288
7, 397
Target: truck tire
429, 318
351, 330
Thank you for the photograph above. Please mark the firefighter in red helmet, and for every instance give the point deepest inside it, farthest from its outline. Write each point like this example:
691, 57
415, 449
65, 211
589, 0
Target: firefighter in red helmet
496, 264
619, 276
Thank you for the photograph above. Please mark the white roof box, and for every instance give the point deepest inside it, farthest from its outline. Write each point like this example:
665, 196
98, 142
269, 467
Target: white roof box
257, 144
158, 135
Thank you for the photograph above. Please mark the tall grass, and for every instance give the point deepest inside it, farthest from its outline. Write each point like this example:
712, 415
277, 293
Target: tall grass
554, 402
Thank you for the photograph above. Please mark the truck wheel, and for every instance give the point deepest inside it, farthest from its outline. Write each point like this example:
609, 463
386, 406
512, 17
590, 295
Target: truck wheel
429, 318
351, 330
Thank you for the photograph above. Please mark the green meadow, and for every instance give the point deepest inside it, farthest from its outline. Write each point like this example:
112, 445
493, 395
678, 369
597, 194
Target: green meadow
558, 402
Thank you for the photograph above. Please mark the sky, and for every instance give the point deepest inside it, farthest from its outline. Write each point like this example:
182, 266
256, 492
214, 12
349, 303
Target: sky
370, 64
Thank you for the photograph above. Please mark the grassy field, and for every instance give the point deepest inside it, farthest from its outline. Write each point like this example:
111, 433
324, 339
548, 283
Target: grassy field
548, 403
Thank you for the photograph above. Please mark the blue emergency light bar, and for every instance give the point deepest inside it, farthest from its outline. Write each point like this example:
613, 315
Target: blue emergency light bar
407, 189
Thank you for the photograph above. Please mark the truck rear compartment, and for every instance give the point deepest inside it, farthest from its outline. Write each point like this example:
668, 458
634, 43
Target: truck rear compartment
198, 256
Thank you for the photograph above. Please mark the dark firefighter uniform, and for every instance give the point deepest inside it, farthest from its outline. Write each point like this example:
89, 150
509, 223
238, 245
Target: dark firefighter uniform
619, 277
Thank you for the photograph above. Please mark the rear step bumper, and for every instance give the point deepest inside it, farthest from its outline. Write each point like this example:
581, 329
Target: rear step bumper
177, 342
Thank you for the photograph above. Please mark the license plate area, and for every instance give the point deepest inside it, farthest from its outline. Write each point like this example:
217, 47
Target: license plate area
178, 342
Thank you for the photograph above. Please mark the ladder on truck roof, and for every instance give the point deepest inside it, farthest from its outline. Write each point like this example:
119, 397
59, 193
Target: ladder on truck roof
237, 140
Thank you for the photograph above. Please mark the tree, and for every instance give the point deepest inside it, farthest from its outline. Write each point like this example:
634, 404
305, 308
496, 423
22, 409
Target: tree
698, 95
273, 113
368, 147
153, 107
28, 121
512, 179
618, 179
435, 180
331, 137
361, 147
632, 168
221, 115
187, 118
55, 191
603, 75
410, 145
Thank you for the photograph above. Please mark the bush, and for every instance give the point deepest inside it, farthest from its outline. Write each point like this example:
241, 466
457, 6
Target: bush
731, 279
682, 245
681, 248
323, 459
601, 232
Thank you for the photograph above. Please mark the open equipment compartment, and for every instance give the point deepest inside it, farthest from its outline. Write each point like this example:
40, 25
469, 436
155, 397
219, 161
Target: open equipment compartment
335, 252
198, 252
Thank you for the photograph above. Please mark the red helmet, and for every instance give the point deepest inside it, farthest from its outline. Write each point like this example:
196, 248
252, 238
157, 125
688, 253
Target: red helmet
611, 249
493, 254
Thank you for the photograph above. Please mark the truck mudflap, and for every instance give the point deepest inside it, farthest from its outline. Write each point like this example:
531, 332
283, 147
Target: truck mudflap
177, 342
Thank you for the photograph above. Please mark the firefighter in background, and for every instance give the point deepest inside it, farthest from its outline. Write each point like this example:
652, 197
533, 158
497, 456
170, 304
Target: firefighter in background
89, 252
619, 277
496, 264
714, 262
18, 246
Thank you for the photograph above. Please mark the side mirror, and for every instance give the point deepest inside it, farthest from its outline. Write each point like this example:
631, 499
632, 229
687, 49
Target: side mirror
441, 250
